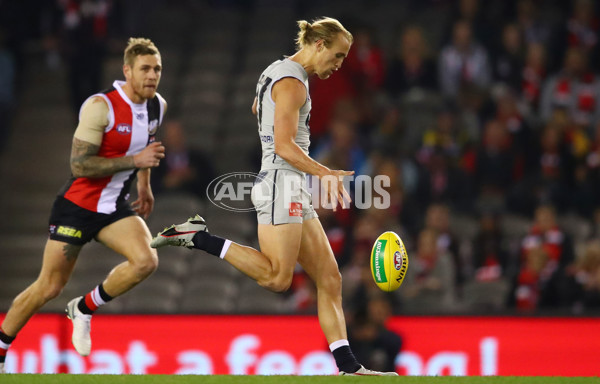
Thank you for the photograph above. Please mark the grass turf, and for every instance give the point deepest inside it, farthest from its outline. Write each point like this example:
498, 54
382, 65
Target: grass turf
226, 379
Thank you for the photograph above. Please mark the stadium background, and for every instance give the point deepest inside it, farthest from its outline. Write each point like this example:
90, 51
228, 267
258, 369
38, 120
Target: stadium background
486, 147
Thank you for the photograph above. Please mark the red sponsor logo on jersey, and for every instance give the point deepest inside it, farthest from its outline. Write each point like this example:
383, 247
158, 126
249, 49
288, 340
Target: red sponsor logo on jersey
296, 209
124, 129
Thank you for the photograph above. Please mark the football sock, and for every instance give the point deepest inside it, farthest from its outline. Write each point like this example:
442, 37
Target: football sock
344, 358
212, 244
5, 341
90, 303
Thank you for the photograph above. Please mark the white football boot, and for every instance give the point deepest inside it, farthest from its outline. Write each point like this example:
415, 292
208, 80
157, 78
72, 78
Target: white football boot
180, 235
82, 327
367, 372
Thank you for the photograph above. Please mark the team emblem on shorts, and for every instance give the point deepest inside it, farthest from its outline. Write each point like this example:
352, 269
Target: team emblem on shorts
296, 209
68, 231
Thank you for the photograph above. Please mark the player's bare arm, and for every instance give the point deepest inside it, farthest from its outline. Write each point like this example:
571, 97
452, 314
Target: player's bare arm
255, 106
144, 204
289, 95
85, 161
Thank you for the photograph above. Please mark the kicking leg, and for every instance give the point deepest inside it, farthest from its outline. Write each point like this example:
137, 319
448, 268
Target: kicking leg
272, 267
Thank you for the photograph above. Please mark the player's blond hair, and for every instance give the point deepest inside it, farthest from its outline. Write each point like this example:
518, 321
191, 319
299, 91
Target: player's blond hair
138, 46
325, 28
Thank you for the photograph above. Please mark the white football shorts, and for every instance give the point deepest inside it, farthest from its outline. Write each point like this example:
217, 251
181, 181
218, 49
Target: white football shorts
280, 196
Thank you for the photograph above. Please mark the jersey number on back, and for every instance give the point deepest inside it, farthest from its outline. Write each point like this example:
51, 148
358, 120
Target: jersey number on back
261, 88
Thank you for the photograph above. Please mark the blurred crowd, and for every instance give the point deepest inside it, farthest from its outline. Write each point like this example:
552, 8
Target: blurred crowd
498, 120
492, 123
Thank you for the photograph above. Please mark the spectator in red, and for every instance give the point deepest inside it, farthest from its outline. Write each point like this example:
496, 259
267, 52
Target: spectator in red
334, 96
533, 74
365, 62
490, 258
583, 26
575, 88
546, 234
509, 114
545, 253
366, 68
535, 272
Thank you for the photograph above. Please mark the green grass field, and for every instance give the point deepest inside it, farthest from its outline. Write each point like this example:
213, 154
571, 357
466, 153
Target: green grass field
226, 379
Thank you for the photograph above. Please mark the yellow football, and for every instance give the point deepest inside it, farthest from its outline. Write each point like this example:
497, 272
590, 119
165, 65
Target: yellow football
389, 261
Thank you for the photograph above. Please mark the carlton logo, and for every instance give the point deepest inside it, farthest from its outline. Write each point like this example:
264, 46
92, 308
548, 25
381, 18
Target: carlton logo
124, 129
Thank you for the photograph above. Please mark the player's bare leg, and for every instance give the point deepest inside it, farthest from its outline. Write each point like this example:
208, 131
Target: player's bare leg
281, 247
58, 262
273, 266
318, 260
129, 237
57, 265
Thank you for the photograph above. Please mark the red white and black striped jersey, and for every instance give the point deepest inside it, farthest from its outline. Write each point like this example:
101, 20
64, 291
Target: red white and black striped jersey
131, 127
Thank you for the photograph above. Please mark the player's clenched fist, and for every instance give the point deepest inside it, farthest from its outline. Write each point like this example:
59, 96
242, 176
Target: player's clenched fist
150, 156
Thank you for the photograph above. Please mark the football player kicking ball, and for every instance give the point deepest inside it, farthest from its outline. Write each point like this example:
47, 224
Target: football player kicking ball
288, 227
